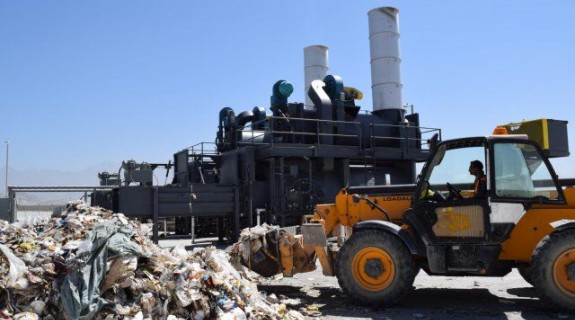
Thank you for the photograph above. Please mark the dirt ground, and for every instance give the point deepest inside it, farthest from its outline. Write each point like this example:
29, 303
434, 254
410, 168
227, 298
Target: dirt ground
319, 297
509, 297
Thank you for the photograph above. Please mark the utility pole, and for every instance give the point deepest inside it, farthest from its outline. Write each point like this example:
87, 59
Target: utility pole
7, 151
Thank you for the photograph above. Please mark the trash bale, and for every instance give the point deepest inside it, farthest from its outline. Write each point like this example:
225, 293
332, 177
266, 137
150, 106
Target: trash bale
91, 263
257, 249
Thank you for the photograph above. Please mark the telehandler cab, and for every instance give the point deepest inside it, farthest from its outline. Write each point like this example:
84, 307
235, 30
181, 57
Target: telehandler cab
525, 221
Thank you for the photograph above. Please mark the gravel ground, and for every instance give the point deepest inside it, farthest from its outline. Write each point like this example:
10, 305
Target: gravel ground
433, 297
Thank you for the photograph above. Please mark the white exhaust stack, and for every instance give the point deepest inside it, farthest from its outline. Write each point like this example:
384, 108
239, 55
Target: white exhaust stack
315, 67
385, 61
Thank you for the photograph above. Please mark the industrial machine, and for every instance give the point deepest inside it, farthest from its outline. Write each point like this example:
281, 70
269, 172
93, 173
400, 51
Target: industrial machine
275, 165
278, 167
526, 220
108, 179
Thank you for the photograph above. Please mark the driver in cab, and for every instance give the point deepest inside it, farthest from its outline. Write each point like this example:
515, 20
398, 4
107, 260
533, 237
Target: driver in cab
480, 184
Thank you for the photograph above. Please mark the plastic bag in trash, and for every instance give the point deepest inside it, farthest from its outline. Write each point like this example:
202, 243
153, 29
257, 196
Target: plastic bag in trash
16, 276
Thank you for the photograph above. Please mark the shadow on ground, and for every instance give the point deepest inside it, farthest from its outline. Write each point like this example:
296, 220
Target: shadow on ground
423, 303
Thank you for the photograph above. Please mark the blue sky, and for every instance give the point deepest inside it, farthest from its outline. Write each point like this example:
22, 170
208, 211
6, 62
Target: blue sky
86, 82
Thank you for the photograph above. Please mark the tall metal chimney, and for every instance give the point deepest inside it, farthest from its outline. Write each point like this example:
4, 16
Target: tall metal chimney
386, 83
315, 67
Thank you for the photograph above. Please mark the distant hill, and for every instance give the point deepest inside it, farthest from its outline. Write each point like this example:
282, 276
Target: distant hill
50, 177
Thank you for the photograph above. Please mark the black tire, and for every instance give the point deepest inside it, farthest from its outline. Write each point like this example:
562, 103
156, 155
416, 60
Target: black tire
550, 260
375, 267
525, 273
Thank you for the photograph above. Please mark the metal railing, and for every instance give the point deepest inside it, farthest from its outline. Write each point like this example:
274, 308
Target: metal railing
356, 134
425, 134
203, 148
320, 125
14, 190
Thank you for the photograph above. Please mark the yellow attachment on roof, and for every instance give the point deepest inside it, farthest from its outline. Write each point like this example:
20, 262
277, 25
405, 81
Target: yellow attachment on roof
551, 135
357, 95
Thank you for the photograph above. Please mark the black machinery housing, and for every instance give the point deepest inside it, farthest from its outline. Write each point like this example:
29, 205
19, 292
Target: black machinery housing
275, 168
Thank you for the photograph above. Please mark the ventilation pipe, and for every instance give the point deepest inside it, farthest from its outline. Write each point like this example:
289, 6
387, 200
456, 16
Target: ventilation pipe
315, 68
385, 62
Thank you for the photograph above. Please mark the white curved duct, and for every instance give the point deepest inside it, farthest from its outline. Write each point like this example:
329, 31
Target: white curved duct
315, 68
386, 83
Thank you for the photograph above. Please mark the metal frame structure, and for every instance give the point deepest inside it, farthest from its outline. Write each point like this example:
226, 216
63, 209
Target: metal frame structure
13, 190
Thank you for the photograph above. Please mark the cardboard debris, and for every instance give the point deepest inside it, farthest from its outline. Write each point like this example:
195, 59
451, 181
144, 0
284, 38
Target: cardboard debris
250, 248
90, 263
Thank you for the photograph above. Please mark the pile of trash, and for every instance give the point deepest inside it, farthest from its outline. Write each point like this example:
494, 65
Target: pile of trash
90, 263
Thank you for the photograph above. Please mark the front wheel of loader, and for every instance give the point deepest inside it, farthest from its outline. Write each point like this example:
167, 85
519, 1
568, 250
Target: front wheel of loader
553, 270
375, 267
525, 273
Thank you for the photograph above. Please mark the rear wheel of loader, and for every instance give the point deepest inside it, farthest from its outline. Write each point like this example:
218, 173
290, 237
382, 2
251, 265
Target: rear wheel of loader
375, 267
553, 269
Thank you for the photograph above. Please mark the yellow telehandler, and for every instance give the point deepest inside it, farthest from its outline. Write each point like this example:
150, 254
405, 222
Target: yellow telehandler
376, 239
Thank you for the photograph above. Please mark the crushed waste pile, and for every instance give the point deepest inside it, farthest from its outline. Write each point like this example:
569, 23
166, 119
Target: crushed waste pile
91, 263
